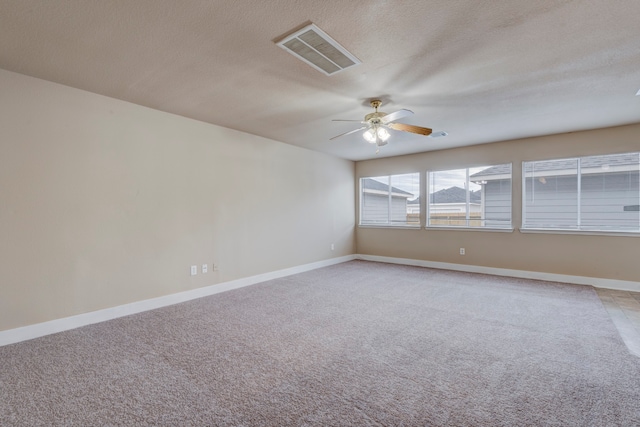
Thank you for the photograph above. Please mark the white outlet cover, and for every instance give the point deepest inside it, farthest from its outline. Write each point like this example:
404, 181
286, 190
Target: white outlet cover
194, 270
205, 268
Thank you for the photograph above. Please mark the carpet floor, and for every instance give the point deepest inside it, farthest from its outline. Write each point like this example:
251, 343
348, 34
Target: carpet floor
355, 344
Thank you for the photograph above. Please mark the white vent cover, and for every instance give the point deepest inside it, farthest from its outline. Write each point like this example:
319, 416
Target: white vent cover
316, 48
438, 134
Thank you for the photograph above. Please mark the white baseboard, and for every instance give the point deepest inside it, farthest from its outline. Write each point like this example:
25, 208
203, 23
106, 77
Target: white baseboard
621, 285
46, 328
24, 333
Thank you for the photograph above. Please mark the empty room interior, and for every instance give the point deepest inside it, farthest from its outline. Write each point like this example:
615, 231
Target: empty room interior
319, 213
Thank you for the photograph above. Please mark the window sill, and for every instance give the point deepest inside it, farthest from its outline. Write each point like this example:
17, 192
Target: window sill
403, 227
490, 229
579, 232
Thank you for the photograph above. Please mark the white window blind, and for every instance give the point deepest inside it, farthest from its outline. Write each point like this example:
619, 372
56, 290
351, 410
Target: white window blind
595, 193
470, 197
390, 200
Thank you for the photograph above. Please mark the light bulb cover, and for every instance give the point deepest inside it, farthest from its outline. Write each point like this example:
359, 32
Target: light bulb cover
369, 135
383, 134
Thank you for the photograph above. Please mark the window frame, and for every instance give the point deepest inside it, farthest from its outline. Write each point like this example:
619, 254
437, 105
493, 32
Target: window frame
578, 229
508, 228
389, 223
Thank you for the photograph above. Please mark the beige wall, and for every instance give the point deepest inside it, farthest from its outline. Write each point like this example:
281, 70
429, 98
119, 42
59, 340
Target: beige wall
103, 203
580, 255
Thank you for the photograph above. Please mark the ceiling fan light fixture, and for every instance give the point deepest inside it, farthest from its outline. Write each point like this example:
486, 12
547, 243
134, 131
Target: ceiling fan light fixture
377, 124
383, 134
370, 135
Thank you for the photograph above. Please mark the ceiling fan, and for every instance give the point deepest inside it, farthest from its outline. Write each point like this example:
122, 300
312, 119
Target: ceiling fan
377, 123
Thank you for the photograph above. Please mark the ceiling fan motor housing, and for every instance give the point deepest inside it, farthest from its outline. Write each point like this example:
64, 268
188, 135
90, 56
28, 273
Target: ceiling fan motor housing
374, 118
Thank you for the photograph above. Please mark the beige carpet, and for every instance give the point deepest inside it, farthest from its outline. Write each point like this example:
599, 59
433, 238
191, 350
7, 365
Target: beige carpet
358, 343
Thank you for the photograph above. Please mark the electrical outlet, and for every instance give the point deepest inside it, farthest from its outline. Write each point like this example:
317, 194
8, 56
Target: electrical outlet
333, 247
205, 268
461, 251
215, 266
194, 270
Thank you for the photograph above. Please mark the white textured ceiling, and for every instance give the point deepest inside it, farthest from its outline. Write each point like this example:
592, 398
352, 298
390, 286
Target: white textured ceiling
483, 71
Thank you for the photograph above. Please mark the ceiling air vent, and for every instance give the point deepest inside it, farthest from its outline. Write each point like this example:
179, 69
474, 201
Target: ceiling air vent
438, 134
316, 48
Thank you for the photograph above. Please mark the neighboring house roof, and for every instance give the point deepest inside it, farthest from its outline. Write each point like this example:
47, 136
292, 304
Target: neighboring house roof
618, 162
493, 170
372, 186
454, 195
414, 202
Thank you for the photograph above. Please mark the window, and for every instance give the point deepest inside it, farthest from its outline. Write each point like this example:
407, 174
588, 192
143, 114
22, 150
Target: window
390, 200
596, 193
471, 197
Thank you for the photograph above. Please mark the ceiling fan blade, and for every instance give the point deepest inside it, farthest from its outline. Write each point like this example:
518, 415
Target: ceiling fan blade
392, 117
410, 128
348, 133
